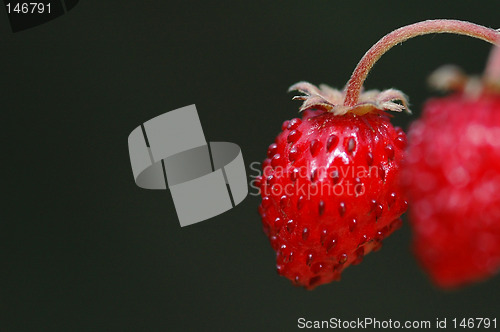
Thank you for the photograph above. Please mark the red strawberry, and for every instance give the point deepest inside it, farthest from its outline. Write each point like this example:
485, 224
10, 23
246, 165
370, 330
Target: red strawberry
330, 190
453, 177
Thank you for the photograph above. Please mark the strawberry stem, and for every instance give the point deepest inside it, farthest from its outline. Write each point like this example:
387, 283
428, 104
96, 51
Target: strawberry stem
400, 35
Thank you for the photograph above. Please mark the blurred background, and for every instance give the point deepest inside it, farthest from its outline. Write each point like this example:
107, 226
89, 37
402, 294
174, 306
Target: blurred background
85, 249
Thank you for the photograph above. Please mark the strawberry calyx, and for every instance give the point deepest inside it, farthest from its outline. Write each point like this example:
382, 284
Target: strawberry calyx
332, 100
450, 78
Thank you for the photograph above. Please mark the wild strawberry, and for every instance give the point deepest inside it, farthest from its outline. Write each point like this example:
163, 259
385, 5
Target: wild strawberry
330, 190
453, 178
330, 187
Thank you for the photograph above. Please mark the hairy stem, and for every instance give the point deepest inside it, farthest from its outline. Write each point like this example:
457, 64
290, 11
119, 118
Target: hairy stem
400, 35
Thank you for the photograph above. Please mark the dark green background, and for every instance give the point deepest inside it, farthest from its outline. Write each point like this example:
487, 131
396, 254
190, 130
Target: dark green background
84, 249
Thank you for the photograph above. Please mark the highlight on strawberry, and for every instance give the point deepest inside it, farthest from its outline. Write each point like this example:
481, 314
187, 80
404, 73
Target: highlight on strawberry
331, 183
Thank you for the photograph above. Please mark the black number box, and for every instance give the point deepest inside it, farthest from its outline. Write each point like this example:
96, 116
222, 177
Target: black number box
27, 14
